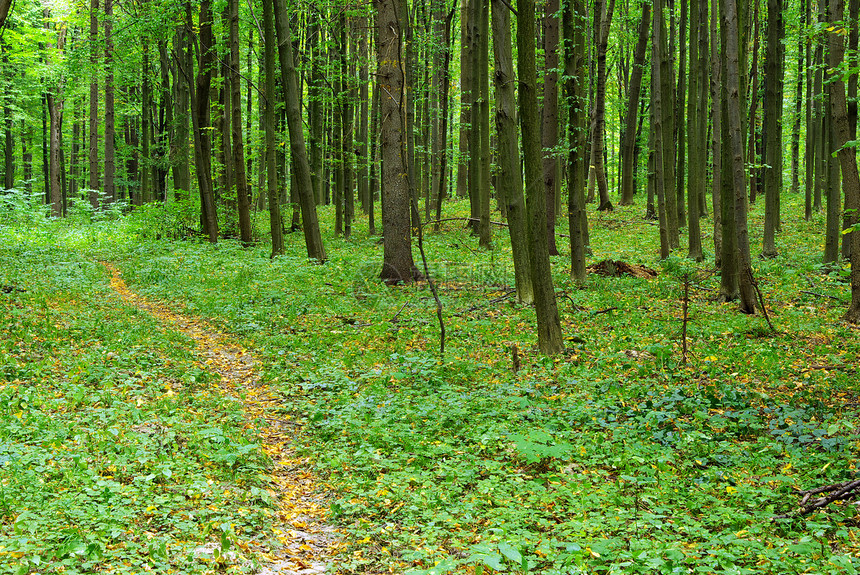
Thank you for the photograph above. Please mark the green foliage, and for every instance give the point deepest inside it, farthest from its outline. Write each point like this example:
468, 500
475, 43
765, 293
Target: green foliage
611, 458
115, 454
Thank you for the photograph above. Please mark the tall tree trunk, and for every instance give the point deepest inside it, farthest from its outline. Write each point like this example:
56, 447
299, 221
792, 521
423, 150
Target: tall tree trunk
716, 135
847, 154
440, 180
362, 159
697, 125
482, 82
774, 70
94, 106
110, 112
574, 23
398, 265
833, 188
510, 171
549, 134
667, 96
681, 114
181, 81
374, 160
9, 143
546, 309
738, 168
466, 97
798, 106
298, 150
597, 146
269, 42
243, 193
657, 129
55, 103
628, 143
316, 109
201, 120
146, 127
849, 214
820, 141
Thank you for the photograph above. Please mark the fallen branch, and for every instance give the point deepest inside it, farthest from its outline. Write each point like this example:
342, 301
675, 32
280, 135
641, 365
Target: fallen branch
838, 491
822, 295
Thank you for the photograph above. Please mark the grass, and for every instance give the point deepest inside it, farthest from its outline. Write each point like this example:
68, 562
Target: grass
614, 457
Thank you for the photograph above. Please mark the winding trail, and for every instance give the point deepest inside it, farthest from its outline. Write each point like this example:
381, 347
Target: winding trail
308, 543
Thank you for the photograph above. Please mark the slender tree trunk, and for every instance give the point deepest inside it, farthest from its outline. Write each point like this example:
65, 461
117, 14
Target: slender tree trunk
798, 107
201, 120
398, 265
482, 77
374, 160
548, 323
681, 114
110, 112
774, 70
849, 214
442, 157
362, 159
716, 135
243, 193
820, 140
269, 45
656, 139
628, 144
574, 23
832, 167
847, 155
466, 97
696, 143
510, 171
668, 138
738, 168
94, 106
181, 81
298, 150
9, 151
597, 146
549, 134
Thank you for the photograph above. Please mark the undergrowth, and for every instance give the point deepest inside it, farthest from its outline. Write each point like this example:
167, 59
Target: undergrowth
614, 457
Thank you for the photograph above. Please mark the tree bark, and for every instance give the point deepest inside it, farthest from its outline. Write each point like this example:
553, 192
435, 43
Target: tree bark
549, 133
738, 168
597, 146
548, 322
697, 179
574, 23
628, 145
94, 107
201, 120
398, 265
847, 155
774, 70
110, 112
658, 130
510, 171
298, 150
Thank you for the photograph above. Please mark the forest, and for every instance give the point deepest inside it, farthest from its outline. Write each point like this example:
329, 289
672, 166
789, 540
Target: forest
429, 287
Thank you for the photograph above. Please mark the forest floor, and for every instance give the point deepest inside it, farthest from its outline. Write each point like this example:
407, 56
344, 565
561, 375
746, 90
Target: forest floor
122, 449
306, 541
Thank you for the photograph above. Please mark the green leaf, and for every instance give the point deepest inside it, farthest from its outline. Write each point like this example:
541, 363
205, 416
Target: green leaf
510, 552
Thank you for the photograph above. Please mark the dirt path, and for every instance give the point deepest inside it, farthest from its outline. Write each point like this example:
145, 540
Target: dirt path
307, 541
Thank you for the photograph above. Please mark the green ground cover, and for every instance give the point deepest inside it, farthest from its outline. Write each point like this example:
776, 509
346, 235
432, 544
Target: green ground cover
614, 457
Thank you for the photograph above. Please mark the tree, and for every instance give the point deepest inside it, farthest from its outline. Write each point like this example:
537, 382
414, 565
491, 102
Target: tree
847, 154
573, 22
398, 265
200, 118
94, 105
110, 111
774, 70
243, 194
549, 133
735, 143
602, 42
298, 151
628, 143
698, 97
510, 171
269, 41
548, 322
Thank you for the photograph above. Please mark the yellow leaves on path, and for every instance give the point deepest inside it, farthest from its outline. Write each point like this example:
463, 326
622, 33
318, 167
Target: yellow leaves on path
306, 542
